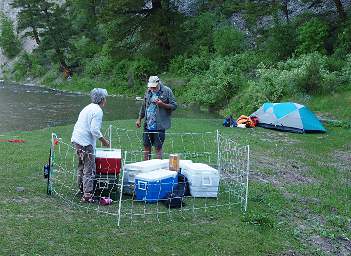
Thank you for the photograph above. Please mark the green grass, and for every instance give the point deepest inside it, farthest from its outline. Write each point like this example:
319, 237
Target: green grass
299, 202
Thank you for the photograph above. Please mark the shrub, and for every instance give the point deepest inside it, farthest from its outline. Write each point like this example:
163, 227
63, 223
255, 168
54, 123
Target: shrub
189, 67
343, 43
100, 65
141, 69
9, 42
307, 74
28, 65
215, 86
228, 40
312, 36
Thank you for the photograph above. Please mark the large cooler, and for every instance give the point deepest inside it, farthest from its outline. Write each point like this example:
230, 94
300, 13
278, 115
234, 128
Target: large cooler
108, 161
155, 185
133, 169
203, 179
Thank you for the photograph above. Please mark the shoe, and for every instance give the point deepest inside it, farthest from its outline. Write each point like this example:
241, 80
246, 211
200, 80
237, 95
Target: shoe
88, 199
105, 200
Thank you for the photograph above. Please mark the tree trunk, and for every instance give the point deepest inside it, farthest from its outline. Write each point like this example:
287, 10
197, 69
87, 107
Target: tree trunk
67, 72
156, 4
340, 10
36, 35
286, 10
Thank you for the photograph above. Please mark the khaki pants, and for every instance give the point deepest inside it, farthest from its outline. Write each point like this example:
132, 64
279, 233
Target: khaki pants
86, 167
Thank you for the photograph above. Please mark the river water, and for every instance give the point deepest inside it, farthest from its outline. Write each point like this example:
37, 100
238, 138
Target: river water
24, 107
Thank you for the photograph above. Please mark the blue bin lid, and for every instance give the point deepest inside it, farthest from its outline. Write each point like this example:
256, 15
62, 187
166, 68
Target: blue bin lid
156, 175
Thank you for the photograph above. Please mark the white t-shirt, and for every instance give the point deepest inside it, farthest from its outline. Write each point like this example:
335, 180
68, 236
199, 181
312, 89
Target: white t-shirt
87, 128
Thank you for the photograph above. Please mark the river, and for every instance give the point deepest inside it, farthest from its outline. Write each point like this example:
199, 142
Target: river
24, 107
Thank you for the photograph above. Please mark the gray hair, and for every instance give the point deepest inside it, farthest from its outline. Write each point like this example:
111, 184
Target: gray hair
97, 95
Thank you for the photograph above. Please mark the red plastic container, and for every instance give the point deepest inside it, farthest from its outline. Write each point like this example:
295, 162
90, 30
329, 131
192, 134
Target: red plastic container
108, 161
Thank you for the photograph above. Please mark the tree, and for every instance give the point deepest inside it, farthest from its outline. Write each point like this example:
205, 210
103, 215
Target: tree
9, 41
312, 36
49, 24
149, 27
29, 17
340, 9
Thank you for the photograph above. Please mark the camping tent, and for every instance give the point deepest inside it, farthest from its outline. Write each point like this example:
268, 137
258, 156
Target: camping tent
288, 116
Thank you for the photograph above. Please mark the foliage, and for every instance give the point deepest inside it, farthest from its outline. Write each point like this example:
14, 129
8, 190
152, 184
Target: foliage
213, 87
228, 40
196, 40
9, 41
312, 36
29, 65
307, 74
50, 24
343, 43
99, 65
121, 43
140, 70
281, 41
191, 66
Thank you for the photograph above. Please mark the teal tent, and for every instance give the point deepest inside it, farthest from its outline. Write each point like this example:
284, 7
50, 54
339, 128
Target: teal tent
288, 116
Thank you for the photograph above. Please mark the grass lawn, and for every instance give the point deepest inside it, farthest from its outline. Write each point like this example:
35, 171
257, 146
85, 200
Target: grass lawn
299, 202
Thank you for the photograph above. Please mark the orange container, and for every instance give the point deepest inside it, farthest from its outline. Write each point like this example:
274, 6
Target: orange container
174, 162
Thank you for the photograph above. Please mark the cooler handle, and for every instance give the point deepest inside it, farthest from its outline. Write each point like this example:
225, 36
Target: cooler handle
206, 181
142, 185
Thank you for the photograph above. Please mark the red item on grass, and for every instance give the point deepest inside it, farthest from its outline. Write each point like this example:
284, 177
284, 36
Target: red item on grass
13, 141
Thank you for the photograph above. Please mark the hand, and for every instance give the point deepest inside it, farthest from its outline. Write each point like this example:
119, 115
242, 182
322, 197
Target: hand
159, 103
105, 142
138, 123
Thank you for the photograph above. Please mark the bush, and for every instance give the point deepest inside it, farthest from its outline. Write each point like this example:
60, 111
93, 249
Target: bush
307, 74
9, 42
140, 70
215, 86
189, 67
100, 65
312, 36
343, 43
84, 48
29, 65
228, 40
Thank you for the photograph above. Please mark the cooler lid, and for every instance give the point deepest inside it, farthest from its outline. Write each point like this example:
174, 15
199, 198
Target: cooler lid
148, 165
183, 163
198, 168
108, 153
156, 175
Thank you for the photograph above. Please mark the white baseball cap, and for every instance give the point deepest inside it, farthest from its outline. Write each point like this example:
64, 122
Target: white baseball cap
153, 81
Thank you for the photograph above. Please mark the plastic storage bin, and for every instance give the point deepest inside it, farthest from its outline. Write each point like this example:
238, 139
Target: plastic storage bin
203, 179
155, 185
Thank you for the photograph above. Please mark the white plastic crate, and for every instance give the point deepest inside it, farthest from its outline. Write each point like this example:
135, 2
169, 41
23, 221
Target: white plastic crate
203, 179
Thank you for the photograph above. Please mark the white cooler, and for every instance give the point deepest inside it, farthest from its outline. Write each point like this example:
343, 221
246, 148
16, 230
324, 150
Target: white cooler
133, 169
203, 179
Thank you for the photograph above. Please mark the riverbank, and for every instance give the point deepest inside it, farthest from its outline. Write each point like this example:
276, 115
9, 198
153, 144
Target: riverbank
299, 197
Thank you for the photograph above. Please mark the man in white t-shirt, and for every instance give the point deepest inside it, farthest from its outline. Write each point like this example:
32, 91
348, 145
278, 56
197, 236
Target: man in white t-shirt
85, 133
